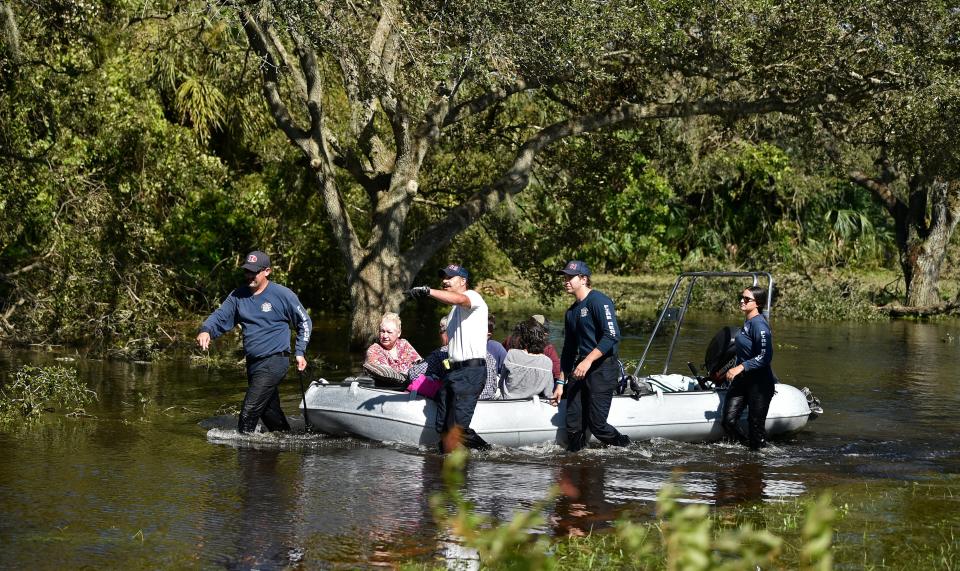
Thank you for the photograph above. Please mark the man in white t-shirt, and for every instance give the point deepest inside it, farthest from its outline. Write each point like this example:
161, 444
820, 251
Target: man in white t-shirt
466, 368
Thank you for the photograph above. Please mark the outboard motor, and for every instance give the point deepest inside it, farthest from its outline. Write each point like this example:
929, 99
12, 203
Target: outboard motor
721, 353
816, 407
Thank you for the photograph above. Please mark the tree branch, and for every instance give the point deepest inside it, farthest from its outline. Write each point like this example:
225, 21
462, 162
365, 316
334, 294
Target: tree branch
876, 186
312, 142
517, 175
278, 47
313, 90
8, 313
947, 308
271, 84
483, 102
10, 32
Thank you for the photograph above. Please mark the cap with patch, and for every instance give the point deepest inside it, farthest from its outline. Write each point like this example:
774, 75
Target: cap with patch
454, 270
256, 261
575, 268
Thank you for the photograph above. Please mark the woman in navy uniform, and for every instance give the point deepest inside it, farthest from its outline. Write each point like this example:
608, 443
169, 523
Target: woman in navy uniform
751, 379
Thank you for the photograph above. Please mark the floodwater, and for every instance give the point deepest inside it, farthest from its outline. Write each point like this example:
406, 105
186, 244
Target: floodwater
139, 483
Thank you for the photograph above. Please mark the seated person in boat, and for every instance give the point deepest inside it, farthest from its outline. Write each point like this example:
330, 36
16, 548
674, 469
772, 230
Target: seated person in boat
391, 356
432, 366
494, 347
527, 371
549, 350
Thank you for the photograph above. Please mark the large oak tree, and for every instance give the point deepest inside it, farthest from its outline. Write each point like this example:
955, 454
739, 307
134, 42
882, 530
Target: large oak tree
901, 144
371, 92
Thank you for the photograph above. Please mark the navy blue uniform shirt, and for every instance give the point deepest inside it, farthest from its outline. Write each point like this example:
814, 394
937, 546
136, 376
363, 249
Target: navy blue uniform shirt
265, 319
589, 324
755, 348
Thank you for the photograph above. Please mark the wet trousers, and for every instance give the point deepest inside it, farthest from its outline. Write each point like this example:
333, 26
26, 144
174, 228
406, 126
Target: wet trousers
588, 405
262, 401
456, 403
754, 394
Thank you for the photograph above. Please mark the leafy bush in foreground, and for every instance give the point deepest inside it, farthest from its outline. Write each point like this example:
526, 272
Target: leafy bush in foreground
684, 537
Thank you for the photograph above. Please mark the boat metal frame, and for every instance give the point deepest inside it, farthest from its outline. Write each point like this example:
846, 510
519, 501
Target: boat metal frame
681, 312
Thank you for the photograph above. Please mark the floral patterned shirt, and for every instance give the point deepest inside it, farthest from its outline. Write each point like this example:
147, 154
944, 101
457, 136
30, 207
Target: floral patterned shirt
406, 356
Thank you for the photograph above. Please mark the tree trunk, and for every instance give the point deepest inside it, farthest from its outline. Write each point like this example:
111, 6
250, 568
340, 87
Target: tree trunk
921, 271
370, 299
927, 235
924, 225
375, 289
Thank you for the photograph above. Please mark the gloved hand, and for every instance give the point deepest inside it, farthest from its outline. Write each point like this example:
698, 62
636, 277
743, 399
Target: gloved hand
419, 291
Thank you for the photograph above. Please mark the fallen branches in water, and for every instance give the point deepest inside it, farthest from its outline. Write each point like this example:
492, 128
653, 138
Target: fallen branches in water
35, 390
948, 308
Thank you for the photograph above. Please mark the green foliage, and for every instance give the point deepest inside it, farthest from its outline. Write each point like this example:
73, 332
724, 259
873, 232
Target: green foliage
507, 546
200, 104
642, 221
815, 554
685, 537
738, 206
597, 199
691, 543
34, 390
128, 195
685, 532
741, 194
757, 206
828, 298
138, 160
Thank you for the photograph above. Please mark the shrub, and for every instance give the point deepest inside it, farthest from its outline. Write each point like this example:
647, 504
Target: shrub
684, 537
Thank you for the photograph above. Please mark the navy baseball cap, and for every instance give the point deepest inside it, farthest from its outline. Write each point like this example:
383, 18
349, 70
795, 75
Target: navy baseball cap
454, 270
575, 268
256, 261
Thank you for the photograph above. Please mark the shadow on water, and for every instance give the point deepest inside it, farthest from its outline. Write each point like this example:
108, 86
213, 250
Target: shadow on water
138, 483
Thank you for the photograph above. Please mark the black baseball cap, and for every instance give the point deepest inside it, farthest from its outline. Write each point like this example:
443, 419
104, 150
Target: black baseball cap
256, 261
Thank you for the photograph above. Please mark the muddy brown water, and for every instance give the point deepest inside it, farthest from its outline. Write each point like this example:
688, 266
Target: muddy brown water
140, 484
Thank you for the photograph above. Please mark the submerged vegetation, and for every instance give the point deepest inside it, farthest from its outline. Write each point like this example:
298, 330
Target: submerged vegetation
31, 391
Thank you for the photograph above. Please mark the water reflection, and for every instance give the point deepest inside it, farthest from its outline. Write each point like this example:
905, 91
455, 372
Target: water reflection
379, 496
583, 504
261, 537
738, 484
925, 358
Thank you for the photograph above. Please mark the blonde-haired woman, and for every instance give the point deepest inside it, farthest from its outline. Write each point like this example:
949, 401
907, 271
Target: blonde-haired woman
390, 350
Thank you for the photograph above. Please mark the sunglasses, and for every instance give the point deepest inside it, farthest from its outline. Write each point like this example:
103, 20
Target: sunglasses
745, 300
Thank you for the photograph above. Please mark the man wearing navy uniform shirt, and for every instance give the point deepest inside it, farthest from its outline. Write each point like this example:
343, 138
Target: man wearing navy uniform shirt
589, 360
265, 312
